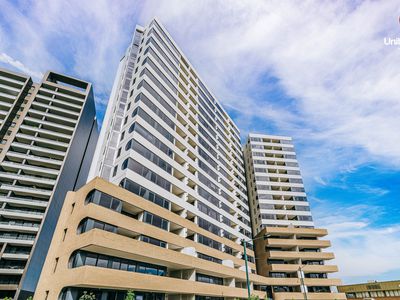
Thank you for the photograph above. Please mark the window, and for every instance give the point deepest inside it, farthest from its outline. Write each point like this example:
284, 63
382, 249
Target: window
304, 218
151, 138
150, 104
209, 258
146, 173
208, 211
104, 200
139, 148
145, 116
209, 242
145, 193
89, 224
209, 279
85, 258
153, 241
155, 220
203, 179
208, 226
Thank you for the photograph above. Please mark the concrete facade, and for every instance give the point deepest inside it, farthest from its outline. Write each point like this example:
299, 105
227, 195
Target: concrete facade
44, 155
374, 290
118, 238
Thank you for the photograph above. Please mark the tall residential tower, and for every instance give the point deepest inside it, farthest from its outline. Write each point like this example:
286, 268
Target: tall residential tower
165, 212
166, 139
287, 245
48, 131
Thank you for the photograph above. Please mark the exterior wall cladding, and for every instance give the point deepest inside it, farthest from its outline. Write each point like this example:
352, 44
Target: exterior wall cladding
166, 209
48, 133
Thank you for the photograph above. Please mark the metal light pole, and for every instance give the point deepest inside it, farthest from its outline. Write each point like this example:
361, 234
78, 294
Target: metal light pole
247, 270
302, 282
245, 261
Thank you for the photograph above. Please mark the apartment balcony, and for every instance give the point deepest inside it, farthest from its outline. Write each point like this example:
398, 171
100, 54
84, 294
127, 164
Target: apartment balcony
64, 97
57, 110
58, 103
16, 271
26, 191
32, 159
322, 281
15, 256
5, 105
9, 89
290, 255
56, 126
17, 242
288, 231
43, 132
9, 226
3, 113
60, 146
7, 97
300, 243
51, 117
25, 179
289, 268
8, 81
21, 214
33, 170
40, 151
23, 202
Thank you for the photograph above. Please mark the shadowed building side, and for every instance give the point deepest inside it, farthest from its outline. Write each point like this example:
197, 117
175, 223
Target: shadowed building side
45, 154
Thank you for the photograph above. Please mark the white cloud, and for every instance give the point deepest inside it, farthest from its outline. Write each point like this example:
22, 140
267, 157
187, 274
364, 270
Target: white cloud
19, 65
328, 56
361, 248
81, 38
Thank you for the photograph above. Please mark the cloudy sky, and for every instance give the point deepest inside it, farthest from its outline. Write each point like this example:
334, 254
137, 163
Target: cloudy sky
316, 70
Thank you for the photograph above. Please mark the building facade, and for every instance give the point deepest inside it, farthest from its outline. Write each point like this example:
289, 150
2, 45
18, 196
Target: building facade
109, 240
14, 88
166, 212
48, 133
287, 245
166, 139
374, 290
275, 186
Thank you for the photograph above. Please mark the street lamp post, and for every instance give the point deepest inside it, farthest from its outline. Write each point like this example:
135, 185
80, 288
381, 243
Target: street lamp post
303, 287
245, 261
247, 270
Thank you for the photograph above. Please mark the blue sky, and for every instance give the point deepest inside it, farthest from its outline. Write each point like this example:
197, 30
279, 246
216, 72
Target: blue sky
317, 70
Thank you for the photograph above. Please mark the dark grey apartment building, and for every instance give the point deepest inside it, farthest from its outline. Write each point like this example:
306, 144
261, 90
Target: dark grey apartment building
48, 133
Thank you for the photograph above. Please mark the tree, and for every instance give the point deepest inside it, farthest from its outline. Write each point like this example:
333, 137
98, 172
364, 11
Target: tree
7, 298
254, 297
29, 298
130, 295
87, 296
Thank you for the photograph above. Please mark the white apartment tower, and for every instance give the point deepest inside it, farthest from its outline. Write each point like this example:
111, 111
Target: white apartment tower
165, 137
169, 216
276, 191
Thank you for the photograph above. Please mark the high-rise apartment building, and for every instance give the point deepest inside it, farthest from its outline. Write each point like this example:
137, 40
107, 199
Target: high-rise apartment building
48, 131
287, 245
165, 213
275, 185
14, 88
167, 139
